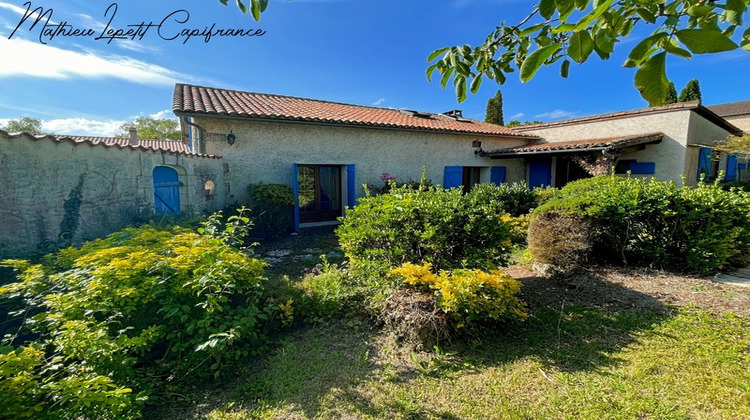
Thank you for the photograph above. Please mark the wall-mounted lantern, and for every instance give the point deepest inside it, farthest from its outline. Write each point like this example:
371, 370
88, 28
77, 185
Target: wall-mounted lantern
210, 189
231, 138
478, 145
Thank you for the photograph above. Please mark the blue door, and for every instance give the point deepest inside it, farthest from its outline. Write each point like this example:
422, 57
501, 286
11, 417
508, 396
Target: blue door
166, 190
540, 174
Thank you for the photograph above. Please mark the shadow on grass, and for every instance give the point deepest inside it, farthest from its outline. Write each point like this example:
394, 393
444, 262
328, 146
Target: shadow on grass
318, 371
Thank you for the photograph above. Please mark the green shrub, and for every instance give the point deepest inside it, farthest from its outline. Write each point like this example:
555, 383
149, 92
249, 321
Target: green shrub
442, 227
136, 310
272, 206
467, 296
650, 223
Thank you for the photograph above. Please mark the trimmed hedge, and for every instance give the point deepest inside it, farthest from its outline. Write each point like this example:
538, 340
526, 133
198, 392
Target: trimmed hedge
648, 223
442, 227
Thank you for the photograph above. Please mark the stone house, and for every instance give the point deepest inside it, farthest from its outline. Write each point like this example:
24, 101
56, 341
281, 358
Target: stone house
326, 151
737, 113
667, 142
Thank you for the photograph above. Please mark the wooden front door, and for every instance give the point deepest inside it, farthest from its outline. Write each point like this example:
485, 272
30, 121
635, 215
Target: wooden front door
319, 192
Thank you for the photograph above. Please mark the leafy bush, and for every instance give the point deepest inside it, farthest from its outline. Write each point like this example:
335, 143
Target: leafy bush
466, 295
138, 309
272, 206
650, 223
442, 227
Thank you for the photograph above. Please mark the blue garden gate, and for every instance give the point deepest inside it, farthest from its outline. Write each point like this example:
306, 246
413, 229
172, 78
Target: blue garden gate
166, 190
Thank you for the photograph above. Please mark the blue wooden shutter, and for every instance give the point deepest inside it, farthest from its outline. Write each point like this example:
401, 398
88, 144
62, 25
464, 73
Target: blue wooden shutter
351, 185
732, 167
540, 174
497, 174
166, 190
642, 168
704, 163
453, 177
295, 188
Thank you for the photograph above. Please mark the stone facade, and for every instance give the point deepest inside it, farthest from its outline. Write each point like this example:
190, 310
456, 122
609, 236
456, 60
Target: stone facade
60, 192
265, 151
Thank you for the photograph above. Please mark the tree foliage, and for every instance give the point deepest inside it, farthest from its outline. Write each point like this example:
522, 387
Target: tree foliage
24, 125
735, 144
494, 113
519, 123
691, 92
255, 7
671, 97
565, 31
153, 128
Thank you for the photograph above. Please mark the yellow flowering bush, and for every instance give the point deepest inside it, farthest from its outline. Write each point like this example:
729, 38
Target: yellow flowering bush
467, 295
126, 312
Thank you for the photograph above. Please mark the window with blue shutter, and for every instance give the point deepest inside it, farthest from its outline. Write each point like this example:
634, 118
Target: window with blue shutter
704, 163
732, 167
642, 168
540, 174
351, 185
497, 174
453, 177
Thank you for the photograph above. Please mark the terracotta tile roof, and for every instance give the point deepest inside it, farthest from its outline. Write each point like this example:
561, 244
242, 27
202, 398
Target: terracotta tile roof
680, 106
150, 145
578, 145
731, 109
192, 100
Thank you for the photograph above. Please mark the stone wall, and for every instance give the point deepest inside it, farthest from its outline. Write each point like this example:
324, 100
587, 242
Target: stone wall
54, 193
265, 151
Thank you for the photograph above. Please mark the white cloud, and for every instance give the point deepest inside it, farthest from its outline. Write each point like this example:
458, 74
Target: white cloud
167, 113
66, 64
517, 116
22, 12
379, 102
558, 114
82, 127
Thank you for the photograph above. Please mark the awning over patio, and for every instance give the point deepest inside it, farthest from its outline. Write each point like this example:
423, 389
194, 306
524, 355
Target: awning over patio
612, 144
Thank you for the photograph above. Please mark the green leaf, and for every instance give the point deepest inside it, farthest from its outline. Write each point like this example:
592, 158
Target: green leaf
699, 10
535, 60
564, 69
475, 84
435, 54
604, 42
580, 46
645, 47
672, 48
565, 7
263, 5
531, 29
254, 9
546, 8
594, 15
224, 2
446, 77
242, 6
646, 15
651, 79
431, 70
460, 88
734, 11
702, 41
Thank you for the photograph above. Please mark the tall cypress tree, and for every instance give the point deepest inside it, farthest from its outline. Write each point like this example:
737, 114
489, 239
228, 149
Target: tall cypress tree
692, 91
671, 97
494, 112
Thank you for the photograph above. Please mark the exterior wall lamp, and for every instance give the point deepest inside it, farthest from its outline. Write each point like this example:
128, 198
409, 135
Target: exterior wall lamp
231, 138
478, 145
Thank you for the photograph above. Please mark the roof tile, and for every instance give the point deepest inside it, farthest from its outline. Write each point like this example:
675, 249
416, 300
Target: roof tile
189, 99
152, 145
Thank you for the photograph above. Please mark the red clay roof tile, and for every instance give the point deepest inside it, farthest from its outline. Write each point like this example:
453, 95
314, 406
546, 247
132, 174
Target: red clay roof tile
579, 145
189, 99
168, 146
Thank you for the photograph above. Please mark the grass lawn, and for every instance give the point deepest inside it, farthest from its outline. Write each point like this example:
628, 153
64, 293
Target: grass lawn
618, 344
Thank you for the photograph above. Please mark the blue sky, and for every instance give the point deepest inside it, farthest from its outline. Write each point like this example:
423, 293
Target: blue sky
367, 52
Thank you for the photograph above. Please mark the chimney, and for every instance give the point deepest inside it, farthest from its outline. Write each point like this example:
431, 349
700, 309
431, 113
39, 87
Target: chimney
455, 113
133, 136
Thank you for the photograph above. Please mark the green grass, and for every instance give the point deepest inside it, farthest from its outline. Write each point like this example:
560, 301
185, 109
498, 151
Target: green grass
570, 362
